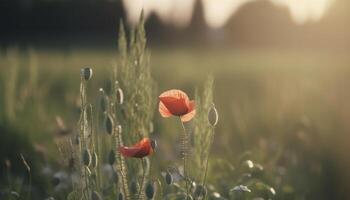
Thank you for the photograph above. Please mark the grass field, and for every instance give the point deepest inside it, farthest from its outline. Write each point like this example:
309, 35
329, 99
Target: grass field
284, 109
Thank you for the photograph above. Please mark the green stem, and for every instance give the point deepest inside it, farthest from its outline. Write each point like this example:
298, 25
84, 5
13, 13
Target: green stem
143, 178
207, 161
184, 156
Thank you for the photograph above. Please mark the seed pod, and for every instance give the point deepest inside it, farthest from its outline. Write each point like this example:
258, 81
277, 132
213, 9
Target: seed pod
213, 116
86, 73
149, 190
94, 160
133, 187
240, 188
120, 96
95, 196
14, 195
55, 181
109, 124
200, 191
238, 192
86, 157
168, 178
111, 157
120, 196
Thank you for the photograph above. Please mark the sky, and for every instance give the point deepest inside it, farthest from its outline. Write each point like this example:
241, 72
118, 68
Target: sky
218, 12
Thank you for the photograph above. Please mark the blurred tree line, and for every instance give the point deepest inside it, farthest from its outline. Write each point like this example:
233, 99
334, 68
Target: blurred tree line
95, 22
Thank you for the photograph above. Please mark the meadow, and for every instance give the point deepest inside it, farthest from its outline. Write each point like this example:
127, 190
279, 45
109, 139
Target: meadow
281, 132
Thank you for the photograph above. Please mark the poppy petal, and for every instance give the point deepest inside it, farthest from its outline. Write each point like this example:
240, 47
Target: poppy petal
130, 151
164, 110
187, 117
191, 105
177, 94
175, 106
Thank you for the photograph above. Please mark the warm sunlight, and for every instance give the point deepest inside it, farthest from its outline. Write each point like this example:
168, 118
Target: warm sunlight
218, 12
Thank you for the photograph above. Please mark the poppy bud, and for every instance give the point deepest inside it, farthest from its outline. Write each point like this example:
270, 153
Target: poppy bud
55, 181
86, 73
149, 190
200, 191
14, 195
133, 187
109, 124
213, 116
270, 191
86, 157
249, 164
111, 157
120, 196
168, 178
95, 196
120, 96
94, 160
103, 101
239, 191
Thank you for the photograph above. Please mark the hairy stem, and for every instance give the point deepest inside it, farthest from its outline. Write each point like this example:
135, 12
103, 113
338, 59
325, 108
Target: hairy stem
184, 155
143, 178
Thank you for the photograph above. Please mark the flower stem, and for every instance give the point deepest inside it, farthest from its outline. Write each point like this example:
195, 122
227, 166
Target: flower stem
184, 156
143, 178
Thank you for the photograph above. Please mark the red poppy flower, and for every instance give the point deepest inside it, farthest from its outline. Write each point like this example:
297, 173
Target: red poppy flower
176, 103
143, 148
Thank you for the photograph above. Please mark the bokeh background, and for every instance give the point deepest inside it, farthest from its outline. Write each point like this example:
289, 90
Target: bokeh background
281, 68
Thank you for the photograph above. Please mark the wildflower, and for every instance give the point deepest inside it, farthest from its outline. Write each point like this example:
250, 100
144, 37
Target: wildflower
176, 103
143, 148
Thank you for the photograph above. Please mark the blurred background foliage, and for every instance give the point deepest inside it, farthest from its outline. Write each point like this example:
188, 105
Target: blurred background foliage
280, 88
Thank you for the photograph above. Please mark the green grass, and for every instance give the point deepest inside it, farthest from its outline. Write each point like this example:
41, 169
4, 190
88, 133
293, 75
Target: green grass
287, 107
